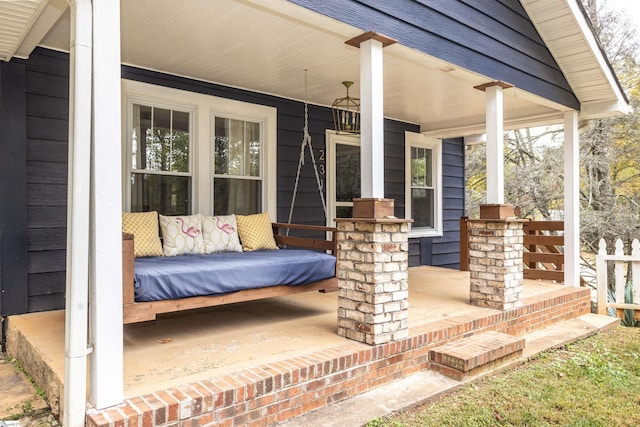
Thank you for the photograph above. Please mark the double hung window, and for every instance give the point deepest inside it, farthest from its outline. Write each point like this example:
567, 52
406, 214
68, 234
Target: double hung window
423, 199
237, 171
188, 152
161, 173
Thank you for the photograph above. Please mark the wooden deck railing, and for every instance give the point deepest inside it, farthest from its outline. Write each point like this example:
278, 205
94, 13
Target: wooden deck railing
543, 255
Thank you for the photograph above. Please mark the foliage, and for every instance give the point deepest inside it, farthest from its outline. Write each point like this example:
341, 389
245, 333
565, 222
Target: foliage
609, 153
628, 319
594, 382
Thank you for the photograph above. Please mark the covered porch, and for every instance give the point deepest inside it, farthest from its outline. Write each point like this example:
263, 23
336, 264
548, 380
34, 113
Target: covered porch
268, 361
257, 52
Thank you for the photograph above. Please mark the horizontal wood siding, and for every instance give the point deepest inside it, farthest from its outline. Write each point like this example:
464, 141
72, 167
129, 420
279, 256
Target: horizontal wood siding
46, 124
494, 38
47, 93
13, 190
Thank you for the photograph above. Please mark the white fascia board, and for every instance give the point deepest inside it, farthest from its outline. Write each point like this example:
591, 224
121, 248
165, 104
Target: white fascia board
591, 40
599, 109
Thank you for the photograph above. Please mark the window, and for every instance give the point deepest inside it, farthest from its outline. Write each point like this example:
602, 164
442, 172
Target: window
160, 160
237, 176
189, 152
343, 174
423, 192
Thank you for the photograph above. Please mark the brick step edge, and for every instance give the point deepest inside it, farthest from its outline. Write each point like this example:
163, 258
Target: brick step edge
475, 351
460, 375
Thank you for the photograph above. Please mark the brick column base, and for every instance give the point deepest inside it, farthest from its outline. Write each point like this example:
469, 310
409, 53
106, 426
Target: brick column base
495, 263
373, 285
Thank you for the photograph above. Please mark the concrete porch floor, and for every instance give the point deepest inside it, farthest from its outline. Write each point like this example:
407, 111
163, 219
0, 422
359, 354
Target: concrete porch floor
183, 348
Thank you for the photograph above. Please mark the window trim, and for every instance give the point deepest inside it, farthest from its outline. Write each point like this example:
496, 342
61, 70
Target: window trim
205, 107
331, 138
128, 169
213, 175
413, 139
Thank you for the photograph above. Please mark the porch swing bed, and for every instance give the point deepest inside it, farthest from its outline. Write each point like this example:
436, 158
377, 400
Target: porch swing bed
156, 285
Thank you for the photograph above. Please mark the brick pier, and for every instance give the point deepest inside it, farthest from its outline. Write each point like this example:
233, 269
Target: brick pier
495, 263
372, 279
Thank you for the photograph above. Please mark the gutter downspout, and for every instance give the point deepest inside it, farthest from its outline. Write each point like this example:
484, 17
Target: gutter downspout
78, 202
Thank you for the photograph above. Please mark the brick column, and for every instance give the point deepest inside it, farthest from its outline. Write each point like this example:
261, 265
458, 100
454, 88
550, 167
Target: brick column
495, 263
372, 279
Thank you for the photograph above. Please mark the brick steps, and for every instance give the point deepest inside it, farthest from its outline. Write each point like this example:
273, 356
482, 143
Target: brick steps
473, 355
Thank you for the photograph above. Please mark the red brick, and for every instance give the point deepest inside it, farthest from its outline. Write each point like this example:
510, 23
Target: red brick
289, 413
171, 404
98, 419
130, 413
228, 392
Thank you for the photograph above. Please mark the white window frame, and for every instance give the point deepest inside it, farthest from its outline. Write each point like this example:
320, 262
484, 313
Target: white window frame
212, 154
204, 107
331, 138
413, 139
127, 146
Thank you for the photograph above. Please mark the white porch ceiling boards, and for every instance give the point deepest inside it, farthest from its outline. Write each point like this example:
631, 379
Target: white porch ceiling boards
265, 46
567, 34
17, 19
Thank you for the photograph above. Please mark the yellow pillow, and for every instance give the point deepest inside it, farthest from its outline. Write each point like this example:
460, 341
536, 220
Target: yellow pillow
255, 232
144, 227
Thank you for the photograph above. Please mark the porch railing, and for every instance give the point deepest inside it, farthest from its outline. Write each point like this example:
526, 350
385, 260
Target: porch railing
543, 256
626, 288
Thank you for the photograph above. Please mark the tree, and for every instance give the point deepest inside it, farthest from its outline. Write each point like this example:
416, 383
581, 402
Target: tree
609, 148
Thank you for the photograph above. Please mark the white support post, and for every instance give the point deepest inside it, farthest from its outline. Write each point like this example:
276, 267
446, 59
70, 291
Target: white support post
78, 205
371, 119
571, 200
106, 373
495, 144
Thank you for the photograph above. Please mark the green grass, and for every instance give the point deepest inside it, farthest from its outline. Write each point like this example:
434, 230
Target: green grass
595, 382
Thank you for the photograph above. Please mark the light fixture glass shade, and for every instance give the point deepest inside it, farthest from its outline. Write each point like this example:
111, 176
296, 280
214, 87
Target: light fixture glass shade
346, 113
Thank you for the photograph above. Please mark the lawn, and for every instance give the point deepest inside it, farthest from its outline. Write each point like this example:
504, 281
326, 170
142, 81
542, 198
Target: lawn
594, 382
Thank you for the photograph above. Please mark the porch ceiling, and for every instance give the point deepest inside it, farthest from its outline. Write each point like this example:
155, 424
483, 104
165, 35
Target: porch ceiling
18, 17
265, 46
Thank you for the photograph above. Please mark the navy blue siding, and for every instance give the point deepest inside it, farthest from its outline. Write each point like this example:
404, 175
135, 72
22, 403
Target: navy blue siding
40, 129
47, 93
491, 37
13, 190
38, 186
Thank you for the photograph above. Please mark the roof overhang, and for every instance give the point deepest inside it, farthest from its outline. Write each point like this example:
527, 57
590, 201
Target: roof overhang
568, 34
266, 46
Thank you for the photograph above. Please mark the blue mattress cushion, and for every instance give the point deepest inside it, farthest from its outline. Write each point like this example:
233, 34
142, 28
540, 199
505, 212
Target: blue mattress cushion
162, 278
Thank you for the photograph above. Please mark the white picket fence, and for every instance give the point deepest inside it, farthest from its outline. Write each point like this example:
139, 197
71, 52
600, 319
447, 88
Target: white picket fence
619, 259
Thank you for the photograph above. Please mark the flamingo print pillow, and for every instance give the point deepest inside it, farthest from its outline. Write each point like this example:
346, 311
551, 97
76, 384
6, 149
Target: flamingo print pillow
220, 234
181, 235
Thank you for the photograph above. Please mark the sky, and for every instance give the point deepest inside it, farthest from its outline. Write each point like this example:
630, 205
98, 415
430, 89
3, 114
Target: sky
630, 7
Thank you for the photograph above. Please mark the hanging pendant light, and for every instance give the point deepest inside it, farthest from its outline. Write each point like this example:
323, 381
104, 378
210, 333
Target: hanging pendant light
346, 113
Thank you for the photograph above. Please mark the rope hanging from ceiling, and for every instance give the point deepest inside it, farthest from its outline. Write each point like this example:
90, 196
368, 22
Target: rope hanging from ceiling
306, 143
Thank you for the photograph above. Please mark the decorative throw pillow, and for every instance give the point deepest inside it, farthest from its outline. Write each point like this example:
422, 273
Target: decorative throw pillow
144, 227
256, 232
181, 235
220, 233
